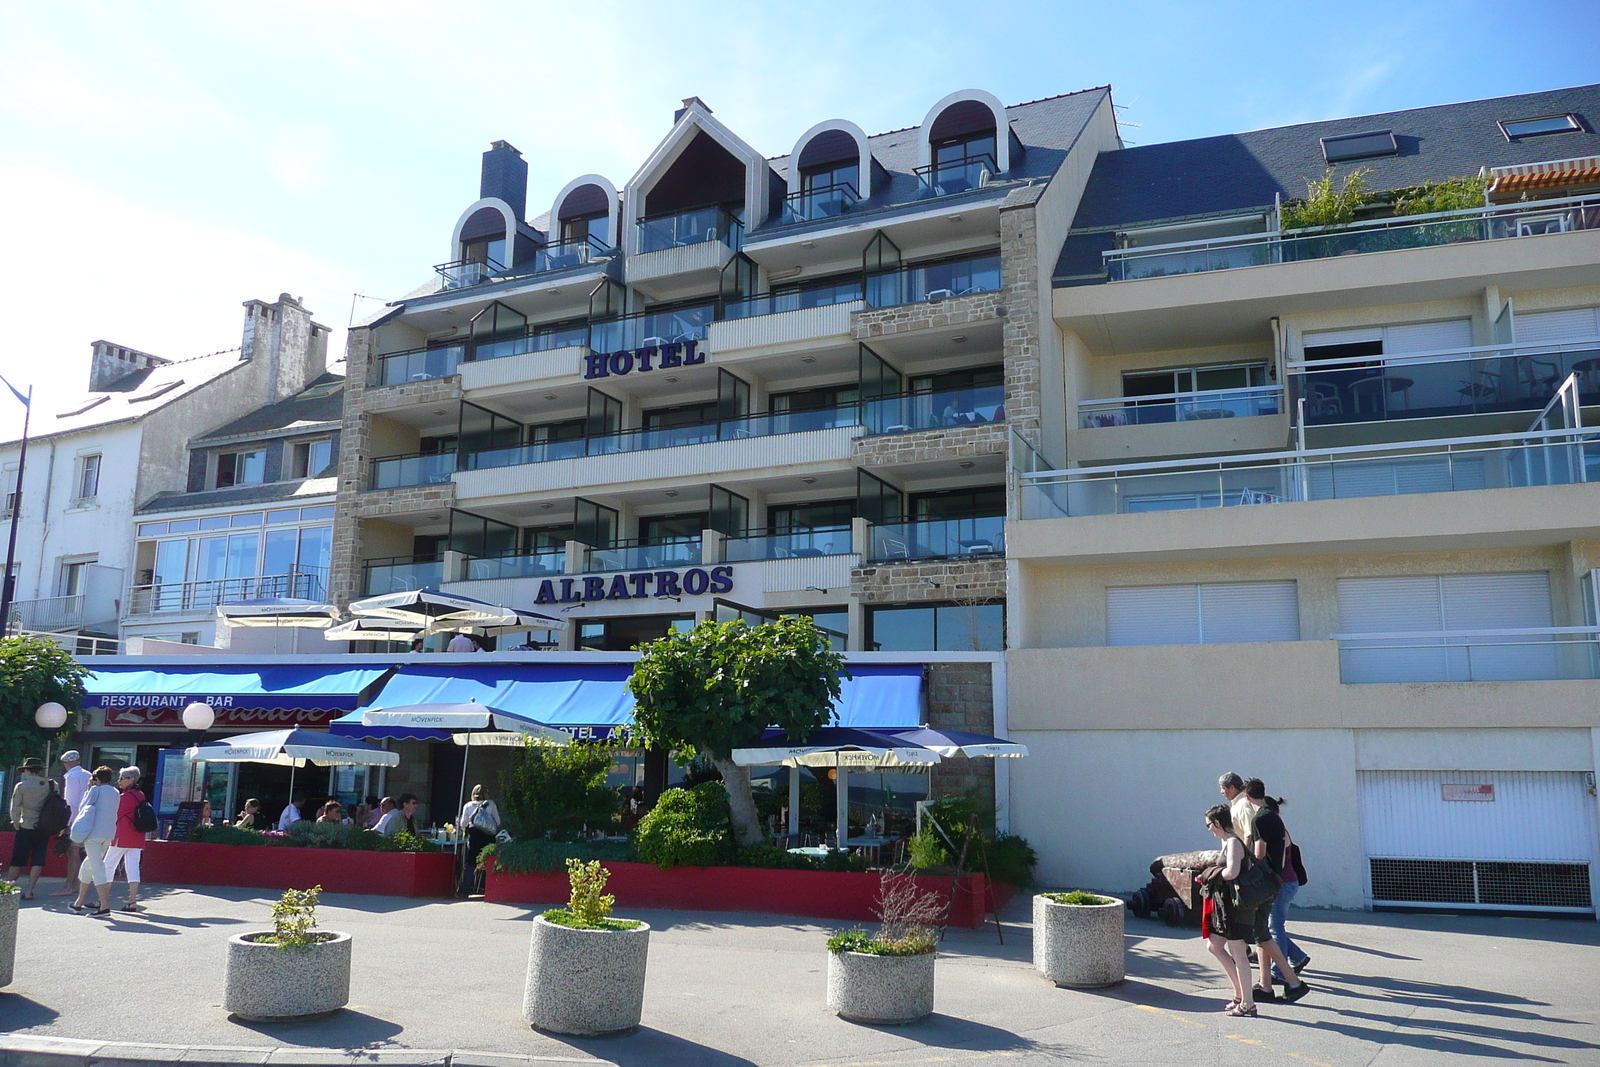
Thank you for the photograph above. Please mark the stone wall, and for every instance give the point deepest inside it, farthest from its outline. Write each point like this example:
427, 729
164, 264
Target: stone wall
929, 315
924, 446
962, 580
961, 697
1019, 270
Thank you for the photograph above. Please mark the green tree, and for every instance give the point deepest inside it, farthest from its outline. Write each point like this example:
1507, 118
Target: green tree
559, 789
34, 670
719, 686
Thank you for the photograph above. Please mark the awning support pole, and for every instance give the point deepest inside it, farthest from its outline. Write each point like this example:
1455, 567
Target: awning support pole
794, 801
842, 793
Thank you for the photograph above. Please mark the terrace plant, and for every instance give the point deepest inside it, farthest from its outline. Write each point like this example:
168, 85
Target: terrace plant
1451, 194
1326, 204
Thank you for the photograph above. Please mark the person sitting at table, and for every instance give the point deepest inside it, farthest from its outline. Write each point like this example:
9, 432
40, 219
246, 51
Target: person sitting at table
331, 813
400, 816
250, 817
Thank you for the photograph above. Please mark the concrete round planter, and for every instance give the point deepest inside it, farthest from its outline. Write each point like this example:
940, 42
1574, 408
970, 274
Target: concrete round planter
585, 981
1079, 945
9, 905
264, 981
864, 988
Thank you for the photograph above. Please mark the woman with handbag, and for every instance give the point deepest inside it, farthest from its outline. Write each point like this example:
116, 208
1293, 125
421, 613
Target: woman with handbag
1232, 924
481, 819
93, 827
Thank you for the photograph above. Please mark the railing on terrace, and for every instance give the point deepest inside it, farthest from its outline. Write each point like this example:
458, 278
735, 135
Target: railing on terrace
821, 202
48, 613
957, 176
793, 300
461, 273
789, 544
418, 365
566, 254
939, 539
396, 472
398, 574
690, 227
1556, 457
1541, 653
517, 565
537, 339
635, 555
303, 584
908, 412
764, 425
1528, 219
1468, 381
652, 328
934, 281
1197, 406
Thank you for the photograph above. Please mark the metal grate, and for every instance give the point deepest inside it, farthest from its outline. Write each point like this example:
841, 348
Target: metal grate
1482, 883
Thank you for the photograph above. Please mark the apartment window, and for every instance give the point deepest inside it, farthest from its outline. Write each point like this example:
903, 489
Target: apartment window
957, 152
1538, 127
830, 175
489, 252
1193, 379
88, 477
979, 503
788, 518
670, 529
585, 227
241, 468
822, 398
682, 415
938, 628
73, 574
1202, 614
311, 458
8, 479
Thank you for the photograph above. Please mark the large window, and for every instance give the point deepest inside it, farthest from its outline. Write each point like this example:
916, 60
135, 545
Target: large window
311, 458
831, 175
585, 227
1204, 614
73, 573
88, 477
938, 628
977, 503
241, 468
789, 518
282, 552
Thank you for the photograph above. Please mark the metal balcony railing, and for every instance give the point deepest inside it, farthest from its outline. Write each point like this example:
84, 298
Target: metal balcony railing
939, 539
642, 555
417, 365
976, 405
690, 227
955, 176
461, 273
819, 202
1535, 654
397, 472
48, 614
934, 281
789, 544
207, 594
400, 574
1196, 406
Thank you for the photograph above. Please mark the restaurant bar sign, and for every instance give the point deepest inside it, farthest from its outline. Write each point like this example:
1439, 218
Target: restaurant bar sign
664, 356
696, 581
258, 718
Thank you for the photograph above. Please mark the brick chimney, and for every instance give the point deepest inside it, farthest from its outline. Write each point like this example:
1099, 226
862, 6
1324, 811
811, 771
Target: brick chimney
282, 336
505, 176
111, 363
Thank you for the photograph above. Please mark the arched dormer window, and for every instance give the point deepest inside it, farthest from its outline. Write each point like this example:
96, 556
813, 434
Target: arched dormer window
481, 244
966, 140
585, 213
829, 170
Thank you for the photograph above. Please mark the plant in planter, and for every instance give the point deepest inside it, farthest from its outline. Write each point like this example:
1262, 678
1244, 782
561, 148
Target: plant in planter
10, 902
586, 969
290, 971
1077, 938
887, 976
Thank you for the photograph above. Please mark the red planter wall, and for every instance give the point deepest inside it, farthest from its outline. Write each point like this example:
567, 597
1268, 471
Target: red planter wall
817, 894
393, 874
54, 866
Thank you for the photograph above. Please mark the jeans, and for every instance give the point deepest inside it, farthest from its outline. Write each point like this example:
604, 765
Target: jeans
1280, 916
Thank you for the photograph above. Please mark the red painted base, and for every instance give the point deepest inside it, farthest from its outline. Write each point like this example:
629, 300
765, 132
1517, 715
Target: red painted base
817, 894
393, 874
54, 866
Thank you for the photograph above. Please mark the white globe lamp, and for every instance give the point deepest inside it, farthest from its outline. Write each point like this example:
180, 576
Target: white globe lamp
198, 717
50, 716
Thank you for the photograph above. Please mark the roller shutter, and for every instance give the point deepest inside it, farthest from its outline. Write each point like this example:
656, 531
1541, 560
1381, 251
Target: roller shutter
1216, 613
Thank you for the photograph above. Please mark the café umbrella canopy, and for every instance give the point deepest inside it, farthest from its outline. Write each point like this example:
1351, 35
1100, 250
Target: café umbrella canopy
294, 749
953, 743
438, 612
372, 628
279, 611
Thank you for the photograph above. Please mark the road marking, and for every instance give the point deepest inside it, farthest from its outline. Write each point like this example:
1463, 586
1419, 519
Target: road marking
1231, 1037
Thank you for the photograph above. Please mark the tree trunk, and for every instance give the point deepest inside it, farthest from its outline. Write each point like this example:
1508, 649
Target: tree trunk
746, 823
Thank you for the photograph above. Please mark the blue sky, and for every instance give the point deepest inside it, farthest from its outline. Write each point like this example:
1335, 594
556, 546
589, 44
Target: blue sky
162, 163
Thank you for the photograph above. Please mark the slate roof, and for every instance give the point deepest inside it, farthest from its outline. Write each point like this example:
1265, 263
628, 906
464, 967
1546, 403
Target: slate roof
298, 412
240, 495
1244, 171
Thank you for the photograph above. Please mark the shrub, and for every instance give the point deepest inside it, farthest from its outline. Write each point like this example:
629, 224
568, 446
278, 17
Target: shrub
545, 857
928, 851
8, 888
559, 790
226, 835
294, 916
308, 834
1451, 194
1079, 896
687, 827
911, 919
589, 907
1011, 859
1325, 205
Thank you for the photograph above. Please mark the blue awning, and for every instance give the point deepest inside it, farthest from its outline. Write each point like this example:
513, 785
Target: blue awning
271, 688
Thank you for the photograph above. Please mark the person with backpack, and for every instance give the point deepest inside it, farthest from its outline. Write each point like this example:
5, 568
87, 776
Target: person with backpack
93, 827
135, 819
481, 819
27, 804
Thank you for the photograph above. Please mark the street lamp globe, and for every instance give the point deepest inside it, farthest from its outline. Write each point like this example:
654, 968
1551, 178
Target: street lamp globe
50, 716
198, 717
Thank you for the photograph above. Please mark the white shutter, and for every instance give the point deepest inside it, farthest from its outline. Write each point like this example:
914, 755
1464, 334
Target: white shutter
1427, 336
1342, 337
1152, 615
1391, 605
1496, 601
1249, 611
1554, 327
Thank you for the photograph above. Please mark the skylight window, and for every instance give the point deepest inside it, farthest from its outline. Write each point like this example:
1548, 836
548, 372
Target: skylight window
1359, 146
1515, 129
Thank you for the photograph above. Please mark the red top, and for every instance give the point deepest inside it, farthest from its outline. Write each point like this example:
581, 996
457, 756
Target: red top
127, 836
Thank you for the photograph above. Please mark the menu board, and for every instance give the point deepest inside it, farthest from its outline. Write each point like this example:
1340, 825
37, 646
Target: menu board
184, 821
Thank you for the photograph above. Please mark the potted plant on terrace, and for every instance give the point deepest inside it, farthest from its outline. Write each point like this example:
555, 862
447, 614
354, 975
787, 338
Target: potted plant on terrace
291, 970
10, 898
586, 969
1077, 938
887, 976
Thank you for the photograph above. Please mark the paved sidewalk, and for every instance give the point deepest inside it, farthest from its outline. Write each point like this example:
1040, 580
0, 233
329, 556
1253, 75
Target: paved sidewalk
441, 982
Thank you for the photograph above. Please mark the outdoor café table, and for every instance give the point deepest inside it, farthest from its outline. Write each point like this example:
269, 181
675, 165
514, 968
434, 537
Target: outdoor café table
869, 843
815, 851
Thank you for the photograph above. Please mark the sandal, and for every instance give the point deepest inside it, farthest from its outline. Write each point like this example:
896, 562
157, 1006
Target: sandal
132, 905
1239, 1012
79, 908
100, 911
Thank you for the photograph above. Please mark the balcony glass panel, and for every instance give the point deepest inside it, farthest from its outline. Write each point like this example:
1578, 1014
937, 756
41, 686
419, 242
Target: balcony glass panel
821, 541
909, 412
793, 300
419, 365
934, 281
652, 328
1182, 407
394, 472
1470, 656
955, 176
532, 341
940, 539
819, 202
525, 565
635, 556
402, 573
568, 254
690, 227
464, 272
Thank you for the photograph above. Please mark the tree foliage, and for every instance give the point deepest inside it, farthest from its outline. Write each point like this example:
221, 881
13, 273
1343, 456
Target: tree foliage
559, 790
34, 670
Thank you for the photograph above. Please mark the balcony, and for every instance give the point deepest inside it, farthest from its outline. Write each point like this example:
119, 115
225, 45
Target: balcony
909, 412
399, 574
417, 365
1199, 406
462, 273
637, 555
821, 202
957, 176
517, 565
797, 544
568, 254
47, 615
983, 537
1542, 654
652, 329
1546, 458
770, 325
400, 472
934, 281
206, 595
1472, 381
1529, 219
686, 228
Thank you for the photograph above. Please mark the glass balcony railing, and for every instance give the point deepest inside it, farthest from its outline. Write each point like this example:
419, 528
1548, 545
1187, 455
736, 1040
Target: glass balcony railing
418, 365
638, 555
793, 544
793, 300
568, 254
909, 412
1557, 457
1527, 219
652, 328
519, 565
540, 340
939, 539
1541, 654
822, 202
955, 176
399, 574
396, 472
1182, 407
690, 227
764, 425
1472, 381
934, 281
462, 273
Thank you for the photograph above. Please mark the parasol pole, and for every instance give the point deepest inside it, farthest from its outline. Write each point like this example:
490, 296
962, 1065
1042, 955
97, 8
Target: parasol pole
292, 766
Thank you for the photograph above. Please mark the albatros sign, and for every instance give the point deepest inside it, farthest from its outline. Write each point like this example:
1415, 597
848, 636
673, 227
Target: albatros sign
696, 581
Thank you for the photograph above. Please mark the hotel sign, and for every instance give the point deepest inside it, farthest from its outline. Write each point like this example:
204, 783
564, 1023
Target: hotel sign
695, 581
649, 358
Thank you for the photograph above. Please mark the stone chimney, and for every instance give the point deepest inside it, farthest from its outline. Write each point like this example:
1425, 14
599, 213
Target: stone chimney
505, 176
688, 102
283, 338
111, 363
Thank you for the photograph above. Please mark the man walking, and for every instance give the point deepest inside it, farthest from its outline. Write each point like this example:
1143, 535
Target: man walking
1232, 789
1271, 838
74, 784
27, 801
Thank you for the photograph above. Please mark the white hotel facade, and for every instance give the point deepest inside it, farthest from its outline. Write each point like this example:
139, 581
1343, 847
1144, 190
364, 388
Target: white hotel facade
998, 384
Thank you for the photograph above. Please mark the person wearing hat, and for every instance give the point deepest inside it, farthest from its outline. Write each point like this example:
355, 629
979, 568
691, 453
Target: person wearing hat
27, 800
74, 785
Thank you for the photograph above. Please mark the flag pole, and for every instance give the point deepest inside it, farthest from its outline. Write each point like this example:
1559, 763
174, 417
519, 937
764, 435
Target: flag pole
7, 582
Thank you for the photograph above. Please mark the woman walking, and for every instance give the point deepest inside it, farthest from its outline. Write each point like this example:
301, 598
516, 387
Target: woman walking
127, 847
1231, 926
94, 827
481, 818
